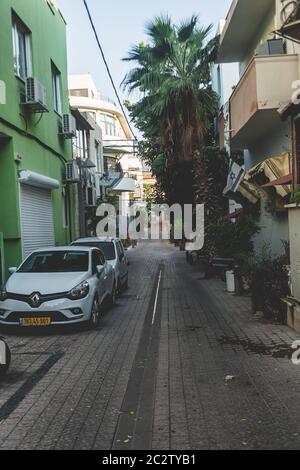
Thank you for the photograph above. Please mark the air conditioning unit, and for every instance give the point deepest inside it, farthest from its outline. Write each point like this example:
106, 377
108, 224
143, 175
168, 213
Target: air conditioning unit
68, 126
72, 172
36, 97
91, 197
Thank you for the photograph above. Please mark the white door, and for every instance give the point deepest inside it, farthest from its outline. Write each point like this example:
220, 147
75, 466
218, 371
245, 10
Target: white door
36, 219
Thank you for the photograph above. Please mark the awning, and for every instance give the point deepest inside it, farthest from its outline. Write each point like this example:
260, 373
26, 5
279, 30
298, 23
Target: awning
125, 185
37, 180
249, 191
82, 120
274, 169
288, 179
115, 150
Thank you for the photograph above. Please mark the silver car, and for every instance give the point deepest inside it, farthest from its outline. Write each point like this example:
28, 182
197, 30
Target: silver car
115, 255
58, 286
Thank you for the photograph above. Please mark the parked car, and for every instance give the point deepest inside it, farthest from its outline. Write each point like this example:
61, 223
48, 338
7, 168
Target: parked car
114, 253
58, 286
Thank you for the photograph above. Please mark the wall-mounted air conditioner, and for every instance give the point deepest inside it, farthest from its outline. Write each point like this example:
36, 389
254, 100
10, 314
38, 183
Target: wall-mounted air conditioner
35, 95
72, 172
68, 130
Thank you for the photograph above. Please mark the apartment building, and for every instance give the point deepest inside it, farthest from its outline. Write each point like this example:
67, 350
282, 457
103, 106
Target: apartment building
116, 136
268, 67
35, 145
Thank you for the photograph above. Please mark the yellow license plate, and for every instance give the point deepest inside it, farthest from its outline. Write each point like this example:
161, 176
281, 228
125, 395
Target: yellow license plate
45, 321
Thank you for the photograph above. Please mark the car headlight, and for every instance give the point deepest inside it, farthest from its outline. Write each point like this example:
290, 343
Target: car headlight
80, 291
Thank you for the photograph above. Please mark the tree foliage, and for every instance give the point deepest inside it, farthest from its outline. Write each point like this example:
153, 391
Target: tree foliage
177, 105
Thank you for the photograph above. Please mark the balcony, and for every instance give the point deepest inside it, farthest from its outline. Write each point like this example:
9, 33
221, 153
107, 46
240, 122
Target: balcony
290, 16
265, 86
241, 27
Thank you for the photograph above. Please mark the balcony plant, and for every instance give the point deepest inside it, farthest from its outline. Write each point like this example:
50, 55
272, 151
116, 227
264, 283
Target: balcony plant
296, 196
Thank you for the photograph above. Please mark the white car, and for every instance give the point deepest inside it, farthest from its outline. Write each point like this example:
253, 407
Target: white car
58, 286
114, 253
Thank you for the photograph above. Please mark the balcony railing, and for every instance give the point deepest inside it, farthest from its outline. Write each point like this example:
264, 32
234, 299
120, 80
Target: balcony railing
265, 86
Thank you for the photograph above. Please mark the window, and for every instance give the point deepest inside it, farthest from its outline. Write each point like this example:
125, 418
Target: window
97, 260
21, 49
107, 248
81, 144
98, 156
56, 86
108, 124
84, 93
56, 262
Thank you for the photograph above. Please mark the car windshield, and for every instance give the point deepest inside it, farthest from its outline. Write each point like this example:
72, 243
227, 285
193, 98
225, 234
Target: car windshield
107, 248
56, 262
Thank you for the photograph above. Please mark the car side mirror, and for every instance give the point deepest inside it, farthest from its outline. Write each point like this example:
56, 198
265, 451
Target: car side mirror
100, 270
12, 270
121, 257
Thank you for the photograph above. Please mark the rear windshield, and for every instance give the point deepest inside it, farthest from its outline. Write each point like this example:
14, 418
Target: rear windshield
56, 262
107, 248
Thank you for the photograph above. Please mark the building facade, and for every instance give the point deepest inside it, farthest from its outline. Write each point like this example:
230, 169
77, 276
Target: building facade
117, 138
268, 68
36, 205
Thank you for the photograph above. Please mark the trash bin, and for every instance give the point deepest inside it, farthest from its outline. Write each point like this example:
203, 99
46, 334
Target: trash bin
230, 281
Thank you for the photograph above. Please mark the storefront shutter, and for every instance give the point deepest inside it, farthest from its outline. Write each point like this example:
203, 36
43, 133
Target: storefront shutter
36, 219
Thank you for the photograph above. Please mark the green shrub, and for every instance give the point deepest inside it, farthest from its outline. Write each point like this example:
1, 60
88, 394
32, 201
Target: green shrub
233, 240
269, 284
296, 195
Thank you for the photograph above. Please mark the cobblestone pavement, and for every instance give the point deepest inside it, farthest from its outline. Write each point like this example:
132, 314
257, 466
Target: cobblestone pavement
153, 375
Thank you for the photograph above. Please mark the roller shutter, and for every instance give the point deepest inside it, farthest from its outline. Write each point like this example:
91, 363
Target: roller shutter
36, 219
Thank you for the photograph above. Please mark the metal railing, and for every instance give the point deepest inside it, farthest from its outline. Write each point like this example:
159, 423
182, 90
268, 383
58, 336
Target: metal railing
107, 99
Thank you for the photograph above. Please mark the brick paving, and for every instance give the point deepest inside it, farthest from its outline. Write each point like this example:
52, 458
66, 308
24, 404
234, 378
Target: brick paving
131, 385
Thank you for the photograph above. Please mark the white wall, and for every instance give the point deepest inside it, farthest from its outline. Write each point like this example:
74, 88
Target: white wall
224, 76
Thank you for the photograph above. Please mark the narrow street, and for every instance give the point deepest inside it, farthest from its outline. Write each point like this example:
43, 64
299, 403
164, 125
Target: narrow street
154, 375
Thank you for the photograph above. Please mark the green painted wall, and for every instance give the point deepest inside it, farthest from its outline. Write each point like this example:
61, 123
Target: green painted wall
33, 138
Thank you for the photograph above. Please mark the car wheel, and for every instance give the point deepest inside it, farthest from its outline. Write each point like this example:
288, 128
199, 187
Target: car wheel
4, 367
95, 314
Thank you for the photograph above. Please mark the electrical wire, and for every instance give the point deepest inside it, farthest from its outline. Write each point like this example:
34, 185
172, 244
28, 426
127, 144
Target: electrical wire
107, 66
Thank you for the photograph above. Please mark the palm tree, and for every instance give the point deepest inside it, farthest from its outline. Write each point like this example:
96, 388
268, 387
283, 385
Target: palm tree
173, 73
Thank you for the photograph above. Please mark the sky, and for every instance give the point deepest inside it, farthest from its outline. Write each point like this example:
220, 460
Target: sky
120, 24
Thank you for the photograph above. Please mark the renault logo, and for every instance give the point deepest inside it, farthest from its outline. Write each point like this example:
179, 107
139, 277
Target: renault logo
35, 299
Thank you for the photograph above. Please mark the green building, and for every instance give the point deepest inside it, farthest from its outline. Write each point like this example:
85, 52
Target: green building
36, 207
